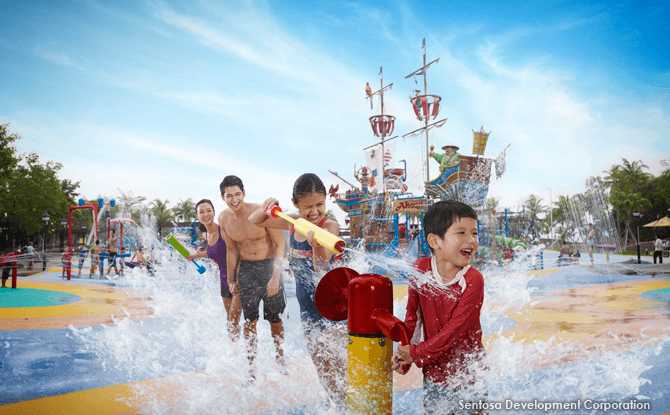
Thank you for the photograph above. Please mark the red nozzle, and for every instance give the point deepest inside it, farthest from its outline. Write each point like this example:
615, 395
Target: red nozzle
391, 326
272, 211
340, 245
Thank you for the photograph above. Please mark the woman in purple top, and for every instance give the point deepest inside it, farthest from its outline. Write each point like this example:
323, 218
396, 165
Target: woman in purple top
216, 250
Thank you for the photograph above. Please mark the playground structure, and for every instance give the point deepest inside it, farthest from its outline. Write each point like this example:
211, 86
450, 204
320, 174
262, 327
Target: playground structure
383, 216
97, 210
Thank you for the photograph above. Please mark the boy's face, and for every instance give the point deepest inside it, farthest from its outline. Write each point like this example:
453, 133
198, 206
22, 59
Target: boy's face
459, 244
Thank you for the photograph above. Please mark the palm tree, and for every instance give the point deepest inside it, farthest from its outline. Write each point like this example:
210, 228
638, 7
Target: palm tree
625, 181
533, 208
161, 211
127, 202
184, 210
626, 203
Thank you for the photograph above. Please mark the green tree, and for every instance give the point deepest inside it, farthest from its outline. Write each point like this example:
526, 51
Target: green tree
532, 208
161, 211
627, 183
184, 211
129, 204
625, 202
32, 189
330, 215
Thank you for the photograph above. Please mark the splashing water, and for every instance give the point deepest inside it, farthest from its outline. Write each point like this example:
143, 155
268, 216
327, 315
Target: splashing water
196, 369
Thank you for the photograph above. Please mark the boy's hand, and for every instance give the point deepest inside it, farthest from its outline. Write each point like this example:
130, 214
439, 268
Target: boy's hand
398, 366
403, 355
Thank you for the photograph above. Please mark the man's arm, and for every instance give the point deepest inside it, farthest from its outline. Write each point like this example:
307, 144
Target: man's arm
277, 237
232, 257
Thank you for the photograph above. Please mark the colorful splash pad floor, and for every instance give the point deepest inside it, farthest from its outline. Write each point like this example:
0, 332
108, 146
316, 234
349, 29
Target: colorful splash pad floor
45, 369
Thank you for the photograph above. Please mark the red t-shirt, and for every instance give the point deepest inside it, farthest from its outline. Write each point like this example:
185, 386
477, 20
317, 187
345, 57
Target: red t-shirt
449, 317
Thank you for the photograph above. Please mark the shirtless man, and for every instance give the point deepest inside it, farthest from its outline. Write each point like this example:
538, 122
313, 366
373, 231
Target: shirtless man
113, 244
591, 242
254, 262
95, 258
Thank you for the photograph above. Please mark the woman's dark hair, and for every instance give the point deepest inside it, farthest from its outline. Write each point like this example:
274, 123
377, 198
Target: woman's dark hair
229, 181
200, 225
307, 184
204, 201
441, 216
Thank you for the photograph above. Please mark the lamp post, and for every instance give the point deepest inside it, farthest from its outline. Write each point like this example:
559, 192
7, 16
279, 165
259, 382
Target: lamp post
63, 222
551, 218
45, 220
637, 215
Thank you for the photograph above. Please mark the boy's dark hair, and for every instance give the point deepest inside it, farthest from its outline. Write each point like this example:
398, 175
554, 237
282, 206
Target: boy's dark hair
441, 216
97, 242
229, 181
307, 184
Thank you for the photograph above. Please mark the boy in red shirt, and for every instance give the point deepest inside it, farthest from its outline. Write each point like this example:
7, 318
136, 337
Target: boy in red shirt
445, 300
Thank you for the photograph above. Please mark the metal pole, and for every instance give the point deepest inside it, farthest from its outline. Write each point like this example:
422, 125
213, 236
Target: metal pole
639, 261
381, 96
551, 218
506, 228
425, 92
44, 256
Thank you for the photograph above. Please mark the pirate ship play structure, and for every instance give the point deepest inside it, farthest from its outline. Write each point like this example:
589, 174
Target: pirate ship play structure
383, 216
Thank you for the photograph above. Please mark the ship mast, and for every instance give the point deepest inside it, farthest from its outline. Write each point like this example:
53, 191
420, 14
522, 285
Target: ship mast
422, 106
382, 125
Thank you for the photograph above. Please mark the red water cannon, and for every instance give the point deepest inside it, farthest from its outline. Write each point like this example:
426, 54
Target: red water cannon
7, 260
367, 302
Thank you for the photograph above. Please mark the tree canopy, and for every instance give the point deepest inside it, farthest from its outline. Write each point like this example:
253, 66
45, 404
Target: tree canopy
29, 188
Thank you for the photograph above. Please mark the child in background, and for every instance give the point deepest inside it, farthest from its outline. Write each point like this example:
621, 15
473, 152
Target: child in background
95, 258
121, 257
82, 257
65, 261
445, 300
326, 340
6, 268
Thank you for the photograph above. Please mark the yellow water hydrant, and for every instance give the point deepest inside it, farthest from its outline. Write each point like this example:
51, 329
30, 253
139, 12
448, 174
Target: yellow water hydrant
367, 302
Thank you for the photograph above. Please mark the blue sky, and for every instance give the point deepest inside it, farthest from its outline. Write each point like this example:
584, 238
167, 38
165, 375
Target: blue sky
166, 98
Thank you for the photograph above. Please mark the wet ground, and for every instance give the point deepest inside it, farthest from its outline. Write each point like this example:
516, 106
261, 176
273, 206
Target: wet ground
597, 323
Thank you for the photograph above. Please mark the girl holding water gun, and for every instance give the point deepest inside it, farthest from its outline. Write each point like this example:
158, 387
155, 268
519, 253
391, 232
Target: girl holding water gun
326, 340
